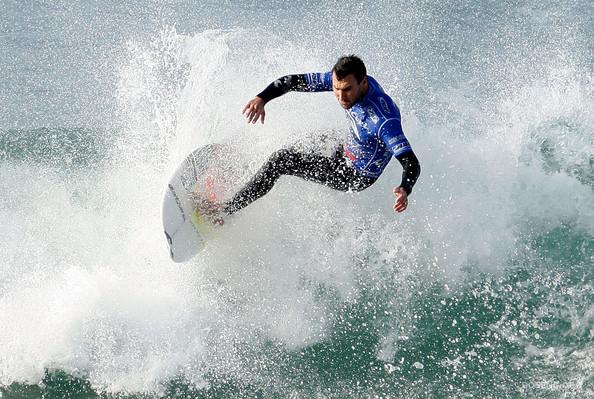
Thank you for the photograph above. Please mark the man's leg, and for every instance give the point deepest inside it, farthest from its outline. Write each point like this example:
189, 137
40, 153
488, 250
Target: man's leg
331, 171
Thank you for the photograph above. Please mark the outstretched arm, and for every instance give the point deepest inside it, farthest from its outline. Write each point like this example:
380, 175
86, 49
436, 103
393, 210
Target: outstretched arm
284, 85
254, 109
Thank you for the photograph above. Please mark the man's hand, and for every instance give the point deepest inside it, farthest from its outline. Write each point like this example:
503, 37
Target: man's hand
254, 110
401, 199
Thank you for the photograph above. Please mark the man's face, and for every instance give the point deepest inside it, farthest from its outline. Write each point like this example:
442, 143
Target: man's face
348, 91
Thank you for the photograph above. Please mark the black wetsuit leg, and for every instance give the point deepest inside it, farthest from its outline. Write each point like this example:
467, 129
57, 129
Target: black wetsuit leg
333, 171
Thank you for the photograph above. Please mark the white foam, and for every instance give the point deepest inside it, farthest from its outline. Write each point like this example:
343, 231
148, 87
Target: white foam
87, 285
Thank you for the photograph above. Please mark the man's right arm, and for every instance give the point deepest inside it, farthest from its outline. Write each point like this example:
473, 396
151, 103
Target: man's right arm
308, 82
283, 85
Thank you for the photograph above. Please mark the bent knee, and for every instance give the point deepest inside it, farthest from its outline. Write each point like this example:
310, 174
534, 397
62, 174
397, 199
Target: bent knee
283, 160
362, 184
280, 155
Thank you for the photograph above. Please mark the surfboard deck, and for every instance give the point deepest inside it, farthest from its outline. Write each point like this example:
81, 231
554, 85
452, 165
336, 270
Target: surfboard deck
205, 174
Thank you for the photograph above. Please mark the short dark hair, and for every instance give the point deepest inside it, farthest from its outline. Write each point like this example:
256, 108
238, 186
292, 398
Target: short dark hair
350, 64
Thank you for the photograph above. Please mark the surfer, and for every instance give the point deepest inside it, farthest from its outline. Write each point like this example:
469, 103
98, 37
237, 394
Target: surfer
375, 136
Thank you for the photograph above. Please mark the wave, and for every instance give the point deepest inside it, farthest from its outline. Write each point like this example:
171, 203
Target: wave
483, 287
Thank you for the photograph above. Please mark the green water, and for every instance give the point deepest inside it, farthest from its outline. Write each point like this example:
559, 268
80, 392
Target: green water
526, 333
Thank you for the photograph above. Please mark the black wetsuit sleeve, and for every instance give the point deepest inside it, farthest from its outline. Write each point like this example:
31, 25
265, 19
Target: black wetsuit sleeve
284, 85
411, 170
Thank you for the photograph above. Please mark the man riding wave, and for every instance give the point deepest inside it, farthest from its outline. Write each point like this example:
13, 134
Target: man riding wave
375, 136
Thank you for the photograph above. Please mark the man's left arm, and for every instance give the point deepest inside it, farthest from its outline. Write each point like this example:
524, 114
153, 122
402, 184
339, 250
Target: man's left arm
392, 135
411, 169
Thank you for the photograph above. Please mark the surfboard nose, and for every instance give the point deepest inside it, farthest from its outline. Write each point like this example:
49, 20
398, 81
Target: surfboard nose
183, 239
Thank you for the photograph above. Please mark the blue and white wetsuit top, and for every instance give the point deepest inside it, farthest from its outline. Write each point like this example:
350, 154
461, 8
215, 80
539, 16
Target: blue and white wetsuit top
376, 131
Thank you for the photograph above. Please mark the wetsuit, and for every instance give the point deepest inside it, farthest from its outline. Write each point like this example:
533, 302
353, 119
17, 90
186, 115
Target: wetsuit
376, 136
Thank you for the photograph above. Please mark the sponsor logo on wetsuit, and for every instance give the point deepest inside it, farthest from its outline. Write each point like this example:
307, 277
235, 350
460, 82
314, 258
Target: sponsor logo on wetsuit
349, 154
396, 139
384, 105
398, 149
372, 115
356, 122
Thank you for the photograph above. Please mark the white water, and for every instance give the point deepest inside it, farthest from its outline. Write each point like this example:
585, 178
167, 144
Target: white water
87, 285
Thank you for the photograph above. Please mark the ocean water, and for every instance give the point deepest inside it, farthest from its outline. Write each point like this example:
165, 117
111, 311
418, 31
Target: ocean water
483, 288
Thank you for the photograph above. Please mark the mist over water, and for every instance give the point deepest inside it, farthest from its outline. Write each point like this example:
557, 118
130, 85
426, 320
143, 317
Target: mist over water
483, 287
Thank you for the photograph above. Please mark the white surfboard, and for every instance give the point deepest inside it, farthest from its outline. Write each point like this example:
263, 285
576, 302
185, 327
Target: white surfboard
206, 173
